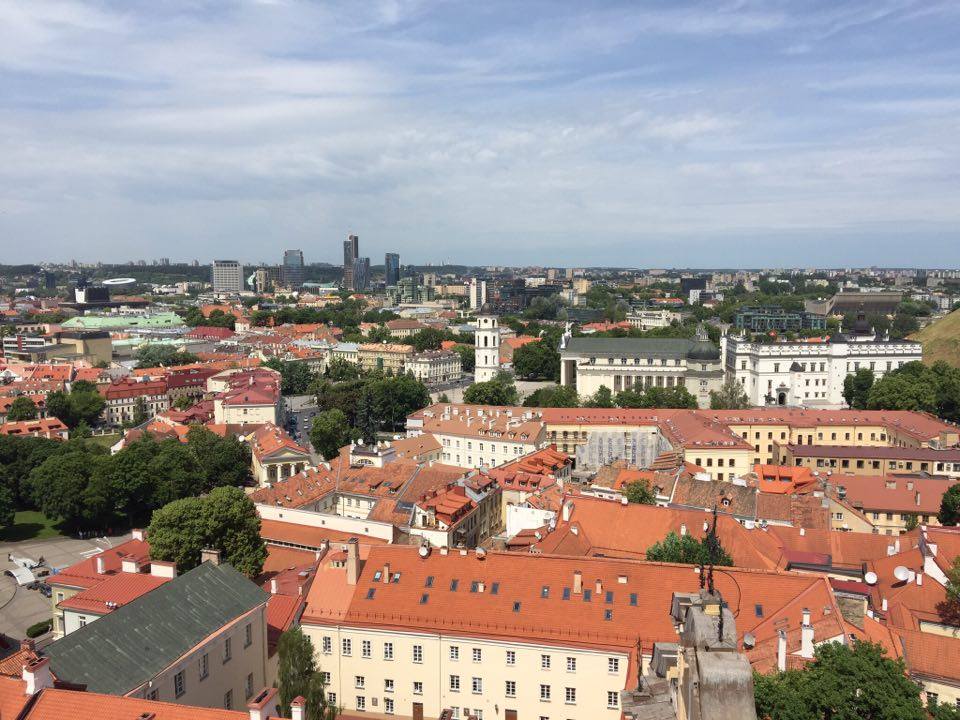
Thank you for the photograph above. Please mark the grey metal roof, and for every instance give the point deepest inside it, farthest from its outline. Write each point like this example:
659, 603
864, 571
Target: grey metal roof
647, 347
127, 647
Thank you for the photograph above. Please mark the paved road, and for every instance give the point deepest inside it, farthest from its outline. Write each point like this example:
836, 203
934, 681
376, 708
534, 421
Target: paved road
19, 607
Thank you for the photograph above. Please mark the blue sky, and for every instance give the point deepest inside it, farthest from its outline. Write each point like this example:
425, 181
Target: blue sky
750, 134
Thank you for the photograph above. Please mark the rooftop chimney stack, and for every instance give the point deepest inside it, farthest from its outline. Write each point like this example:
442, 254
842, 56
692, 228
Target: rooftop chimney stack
264, 704
298, 708
599, 587
386, 572
683, 529
806, 636
100, 564
353, 561
160, 568
210, 555
781, 650
37, 675
139, 534
273, 586
577, 582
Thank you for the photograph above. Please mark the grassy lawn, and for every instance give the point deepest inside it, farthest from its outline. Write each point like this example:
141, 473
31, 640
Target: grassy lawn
105, 440
30, 525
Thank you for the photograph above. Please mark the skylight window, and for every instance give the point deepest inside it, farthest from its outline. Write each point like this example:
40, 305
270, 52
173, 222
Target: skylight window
545, 591
566, 593
495, 588
424, 598
516, 606
609, 596
633, 599
378, 576
608, 614
758, 610
370, 593
474, 586
587, 595
429, 581
396, 577
454, 584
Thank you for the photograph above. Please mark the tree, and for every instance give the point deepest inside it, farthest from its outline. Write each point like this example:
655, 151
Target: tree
393, 398
537, 360
366, 419
730, 396
224, 460
225, 520
443, 398
23, 408
295, 376
427, 339
602, 398
687, 549
856, 388
900, 392
640, 492
139, 412
842, 682
379, 334
82, 404
297, 676
150, 356
468, 357
498, 391
950, 506
58, 485
657, 397
6, 506
183, 402
553, 396
339, 370
330, 432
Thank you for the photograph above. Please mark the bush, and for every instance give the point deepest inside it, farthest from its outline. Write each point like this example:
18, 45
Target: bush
38, 629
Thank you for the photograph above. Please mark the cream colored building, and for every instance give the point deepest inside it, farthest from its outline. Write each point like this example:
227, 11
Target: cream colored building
649, 319
435, 367
384, 357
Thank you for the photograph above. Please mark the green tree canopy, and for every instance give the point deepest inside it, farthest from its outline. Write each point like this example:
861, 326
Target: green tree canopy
657, 397
155, 355
950, 506
82, 404
602, 398
856, 388
537, 360
498, 391
842, 683
298, 676
468, 357
225, 520
553, 396
295, 375
915, 386
330, 432
427, 339
23, 408
640, 492
687, 549
730, 396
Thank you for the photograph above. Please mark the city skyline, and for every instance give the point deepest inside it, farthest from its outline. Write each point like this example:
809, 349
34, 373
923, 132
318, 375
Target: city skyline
755, 134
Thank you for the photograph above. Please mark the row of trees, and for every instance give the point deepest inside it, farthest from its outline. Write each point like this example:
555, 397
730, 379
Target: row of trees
80, 483
928, 388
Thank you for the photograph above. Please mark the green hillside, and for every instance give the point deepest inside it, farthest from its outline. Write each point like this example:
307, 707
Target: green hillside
941, 340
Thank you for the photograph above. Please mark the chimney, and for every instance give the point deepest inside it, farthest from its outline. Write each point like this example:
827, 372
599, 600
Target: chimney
803, 531
806, 636
683, 529
298, 708
159, 568
577, 582
139, 534
599, 587
273, 586
353, 561
129, 565
918, 498
37, 675
100, 564
706, 526
386, 572
896, 545
210, 555
263, 705
567, 510
27, 645
909, 484
919, 578
782, 650
883, 604
891, 550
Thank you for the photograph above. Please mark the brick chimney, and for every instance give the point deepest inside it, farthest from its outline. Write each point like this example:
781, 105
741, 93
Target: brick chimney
37, 675
264, 704
386, 573
210, 555
353, 561
577, 582
298, 708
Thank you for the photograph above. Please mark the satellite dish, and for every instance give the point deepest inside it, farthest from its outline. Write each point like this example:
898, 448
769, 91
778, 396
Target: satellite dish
901, 572
870, 578
119, 281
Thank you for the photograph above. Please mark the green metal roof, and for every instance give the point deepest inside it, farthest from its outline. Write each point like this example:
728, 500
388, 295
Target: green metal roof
131, 645
97, 322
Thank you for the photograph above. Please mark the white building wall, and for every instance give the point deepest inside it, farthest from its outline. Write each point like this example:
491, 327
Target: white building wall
487, 347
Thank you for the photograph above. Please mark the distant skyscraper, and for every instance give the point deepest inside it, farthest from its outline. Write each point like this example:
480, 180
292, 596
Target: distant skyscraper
351, 251
392, 268
293, 268
227, 276
478, 293
361, 274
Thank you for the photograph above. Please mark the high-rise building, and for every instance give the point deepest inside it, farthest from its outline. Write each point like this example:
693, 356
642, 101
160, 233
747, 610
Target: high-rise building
351, 251
391, 264
361, 274
478, 293
293, 268
227, 276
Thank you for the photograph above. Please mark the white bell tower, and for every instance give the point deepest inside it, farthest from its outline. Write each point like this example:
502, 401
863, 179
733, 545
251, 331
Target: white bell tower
487, 346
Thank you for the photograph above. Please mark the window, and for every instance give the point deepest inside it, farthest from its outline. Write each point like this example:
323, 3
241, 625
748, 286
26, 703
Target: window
545, 591
429, 581
249, 686
613, 699
587, 594
477, 655
454, 683
388, 651
388, 685
758, 610
327, 645
204, 666
388, 706
511, 657
633, 599
544, 693
454, 652
932, 699
361, 702
228, 700
359, 681
153, 694
325, 677
613, 665
511, 689
570, 696
332, 697
417, 688
178, 686
227, 650
366, 648
495, 588
453, 585
571, 664
248, 635
347, 646
544, 662
476, 685
566, 593
418, 653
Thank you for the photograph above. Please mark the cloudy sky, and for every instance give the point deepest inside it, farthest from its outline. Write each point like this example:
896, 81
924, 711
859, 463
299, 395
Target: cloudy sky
561, 133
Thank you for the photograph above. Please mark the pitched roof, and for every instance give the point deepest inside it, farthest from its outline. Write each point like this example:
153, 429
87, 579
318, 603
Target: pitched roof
117, 590
126, 648
56, 704
930, 655
83, 574
13, 696
899, 494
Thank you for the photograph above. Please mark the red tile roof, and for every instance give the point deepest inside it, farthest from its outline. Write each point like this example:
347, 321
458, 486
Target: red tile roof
13, 696
113, 592
208, 332
84, 573
55, 704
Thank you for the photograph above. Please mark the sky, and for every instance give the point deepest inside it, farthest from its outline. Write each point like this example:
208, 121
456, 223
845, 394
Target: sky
640, 134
